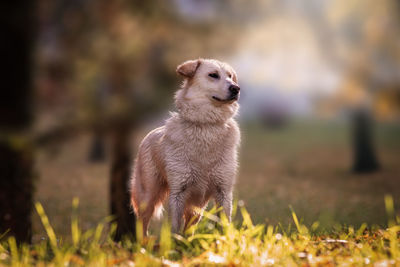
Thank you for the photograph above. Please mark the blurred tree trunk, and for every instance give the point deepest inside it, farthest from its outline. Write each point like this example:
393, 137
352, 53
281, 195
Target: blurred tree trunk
365, 159
16, 157
119, 183
97, 147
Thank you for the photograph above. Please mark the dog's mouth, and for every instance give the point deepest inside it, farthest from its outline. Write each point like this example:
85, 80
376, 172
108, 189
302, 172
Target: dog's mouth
228, 100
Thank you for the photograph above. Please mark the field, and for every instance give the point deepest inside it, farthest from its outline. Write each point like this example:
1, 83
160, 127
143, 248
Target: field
308, 166
304, 167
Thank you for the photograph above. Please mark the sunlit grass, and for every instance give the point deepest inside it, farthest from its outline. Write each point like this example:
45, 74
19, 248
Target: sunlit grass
213, 241
277, 167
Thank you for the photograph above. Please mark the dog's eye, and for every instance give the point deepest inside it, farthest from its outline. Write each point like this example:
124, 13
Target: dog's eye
214, 75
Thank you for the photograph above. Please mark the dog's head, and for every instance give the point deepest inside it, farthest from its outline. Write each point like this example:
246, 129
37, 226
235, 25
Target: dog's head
210, 90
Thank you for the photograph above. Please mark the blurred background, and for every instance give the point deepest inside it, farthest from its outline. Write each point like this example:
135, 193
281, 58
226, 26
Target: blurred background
86, 80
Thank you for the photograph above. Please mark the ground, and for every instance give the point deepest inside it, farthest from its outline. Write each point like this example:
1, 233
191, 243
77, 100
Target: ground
305, 165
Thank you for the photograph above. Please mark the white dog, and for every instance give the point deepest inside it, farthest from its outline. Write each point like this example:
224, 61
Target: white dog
193, 157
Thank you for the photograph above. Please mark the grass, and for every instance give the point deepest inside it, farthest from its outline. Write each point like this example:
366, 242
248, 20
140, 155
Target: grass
213, 242
340, 217
305, 165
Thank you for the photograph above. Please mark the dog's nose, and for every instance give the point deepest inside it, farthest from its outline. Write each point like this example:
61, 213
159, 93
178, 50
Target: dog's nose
234, 89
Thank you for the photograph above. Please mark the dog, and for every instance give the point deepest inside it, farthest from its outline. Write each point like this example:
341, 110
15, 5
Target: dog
193, 157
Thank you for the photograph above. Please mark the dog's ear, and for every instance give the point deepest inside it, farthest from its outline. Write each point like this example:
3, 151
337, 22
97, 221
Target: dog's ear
188, 68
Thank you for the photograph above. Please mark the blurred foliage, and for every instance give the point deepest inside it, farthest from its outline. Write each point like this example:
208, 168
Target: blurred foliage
102, 60
98, 60
368, 53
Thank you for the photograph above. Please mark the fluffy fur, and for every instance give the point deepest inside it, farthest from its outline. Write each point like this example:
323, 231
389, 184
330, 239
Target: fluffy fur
193, 157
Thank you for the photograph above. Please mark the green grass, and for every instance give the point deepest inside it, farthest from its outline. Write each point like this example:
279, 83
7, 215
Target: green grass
305, 165
213, 241
308, 165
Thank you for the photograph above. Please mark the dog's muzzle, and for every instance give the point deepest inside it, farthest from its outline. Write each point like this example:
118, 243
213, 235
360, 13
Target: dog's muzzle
234, 91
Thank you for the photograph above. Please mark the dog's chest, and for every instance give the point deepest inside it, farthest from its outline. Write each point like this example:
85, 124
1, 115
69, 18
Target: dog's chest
205, 145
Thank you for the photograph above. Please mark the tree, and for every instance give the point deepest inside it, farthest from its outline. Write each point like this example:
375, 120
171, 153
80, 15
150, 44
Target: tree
364, 154
16, 155
372, 63
360, 43
120, 204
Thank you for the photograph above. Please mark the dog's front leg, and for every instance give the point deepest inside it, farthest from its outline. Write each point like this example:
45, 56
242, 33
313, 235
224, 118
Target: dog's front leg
176, 209
223, 199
